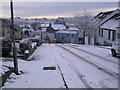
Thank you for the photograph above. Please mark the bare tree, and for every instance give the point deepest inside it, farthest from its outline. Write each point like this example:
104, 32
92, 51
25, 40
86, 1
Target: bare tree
86, 25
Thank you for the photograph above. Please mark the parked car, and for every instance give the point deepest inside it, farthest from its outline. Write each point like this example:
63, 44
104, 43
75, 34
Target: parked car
6, 45
36, 39
115, 48
25, 44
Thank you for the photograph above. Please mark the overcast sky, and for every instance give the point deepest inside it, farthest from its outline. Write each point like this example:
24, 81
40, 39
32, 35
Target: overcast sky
55, 9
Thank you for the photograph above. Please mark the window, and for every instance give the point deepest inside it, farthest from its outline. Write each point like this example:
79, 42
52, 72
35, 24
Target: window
113, 35
109, 34
101, 32
79, 39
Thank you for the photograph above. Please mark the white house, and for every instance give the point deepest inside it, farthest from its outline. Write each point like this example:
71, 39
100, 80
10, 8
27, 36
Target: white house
107, 27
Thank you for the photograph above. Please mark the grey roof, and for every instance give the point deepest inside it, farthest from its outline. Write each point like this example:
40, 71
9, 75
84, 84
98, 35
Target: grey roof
106, 16
102, 15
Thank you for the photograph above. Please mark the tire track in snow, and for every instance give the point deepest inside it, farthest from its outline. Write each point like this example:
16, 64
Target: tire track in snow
84, 81
80, 75
74, 46
65, 84
102, 60
102, 68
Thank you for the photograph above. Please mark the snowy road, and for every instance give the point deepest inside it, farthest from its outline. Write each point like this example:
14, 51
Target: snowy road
77, 66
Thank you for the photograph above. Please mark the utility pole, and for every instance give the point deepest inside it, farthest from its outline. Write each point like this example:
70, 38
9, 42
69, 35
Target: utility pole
117, 37
13, 40
41, 36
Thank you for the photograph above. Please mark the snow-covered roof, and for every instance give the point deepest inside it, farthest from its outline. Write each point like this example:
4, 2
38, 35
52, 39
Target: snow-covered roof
73, 28
58, 26
25, 25
112, 15
111, 24
69, 24
45, 25
44, 29
67, 32
28, 29
26, 40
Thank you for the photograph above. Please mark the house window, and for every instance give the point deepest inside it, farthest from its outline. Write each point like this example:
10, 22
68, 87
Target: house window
109, 34
79, 39
113, 35
72, 34
101, 32
67, 34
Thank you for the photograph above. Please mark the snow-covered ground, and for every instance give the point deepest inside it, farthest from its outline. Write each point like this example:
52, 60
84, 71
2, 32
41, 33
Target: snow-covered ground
75, 68
4, 64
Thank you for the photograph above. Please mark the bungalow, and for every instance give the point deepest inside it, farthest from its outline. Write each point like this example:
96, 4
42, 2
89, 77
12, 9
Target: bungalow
67, 36
107, 27
6, 29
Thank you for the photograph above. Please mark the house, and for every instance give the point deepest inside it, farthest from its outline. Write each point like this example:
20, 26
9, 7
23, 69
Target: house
43, 31
52, 29
6, 29
107, 27
80, 35
30, 33
66, 36
50, 33
44, 34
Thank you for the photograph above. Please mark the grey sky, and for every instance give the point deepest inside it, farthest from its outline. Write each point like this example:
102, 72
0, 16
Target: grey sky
52, 9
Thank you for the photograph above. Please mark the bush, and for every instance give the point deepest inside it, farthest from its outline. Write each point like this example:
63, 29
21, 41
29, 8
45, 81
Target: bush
6, 44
